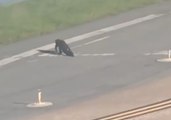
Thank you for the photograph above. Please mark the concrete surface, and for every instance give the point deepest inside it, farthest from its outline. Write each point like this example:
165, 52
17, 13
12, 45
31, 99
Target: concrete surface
86, 87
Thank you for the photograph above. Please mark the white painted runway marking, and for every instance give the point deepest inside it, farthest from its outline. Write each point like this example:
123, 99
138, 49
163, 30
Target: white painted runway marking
102, 54
98, 40
77, 54
113, 28
14, 58
157, 53
45, 54
166, 53
88, 43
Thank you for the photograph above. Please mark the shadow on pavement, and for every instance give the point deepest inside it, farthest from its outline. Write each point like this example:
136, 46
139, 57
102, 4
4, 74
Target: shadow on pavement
48, 52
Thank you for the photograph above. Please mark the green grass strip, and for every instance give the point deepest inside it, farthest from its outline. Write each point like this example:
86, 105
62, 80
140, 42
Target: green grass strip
36, 17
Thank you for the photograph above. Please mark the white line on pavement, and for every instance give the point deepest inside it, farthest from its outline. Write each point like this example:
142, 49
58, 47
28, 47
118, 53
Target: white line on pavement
103, 54
98, 40
77, 54
113, 28
158, 53
88, 43
14, 58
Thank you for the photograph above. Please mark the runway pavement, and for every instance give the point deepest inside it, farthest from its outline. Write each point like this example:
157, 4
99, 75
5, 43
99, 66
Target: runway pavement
111, 55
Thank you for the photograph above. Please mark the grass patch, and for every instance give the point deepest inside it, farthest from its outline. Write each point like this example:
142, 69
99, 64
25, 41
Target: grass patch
36, 17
